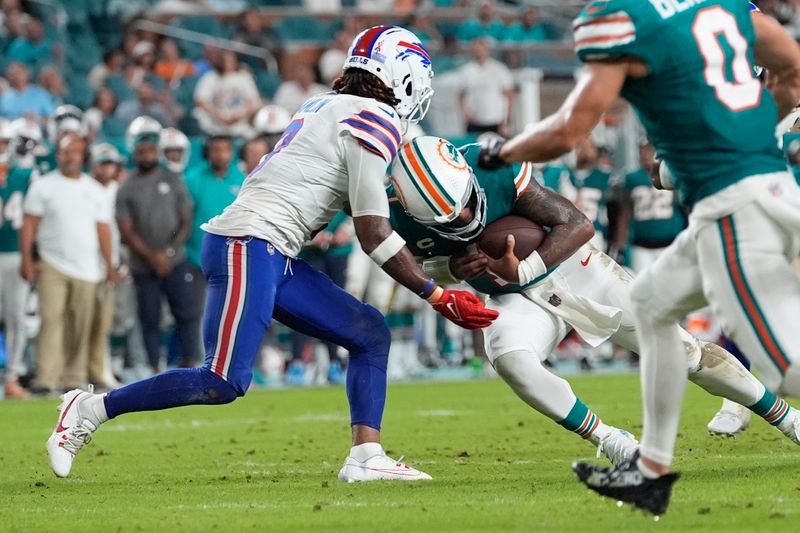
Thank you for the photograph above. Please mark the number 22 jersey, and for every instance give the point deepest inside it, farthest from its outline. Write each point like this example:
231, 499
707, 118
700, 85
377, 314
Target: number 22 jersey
704, 110
298, 187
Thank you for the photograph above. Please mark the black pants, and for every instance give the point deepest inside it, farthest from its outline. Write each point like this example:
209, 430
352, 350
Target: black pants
335, 266
178, 287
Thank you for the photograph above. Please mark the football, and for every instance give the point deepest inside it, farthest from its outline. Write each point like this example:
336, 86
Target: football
527, 235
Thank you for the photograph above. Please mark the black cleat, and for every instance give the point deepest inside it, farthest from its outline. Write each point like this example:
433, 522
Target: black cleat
626, 483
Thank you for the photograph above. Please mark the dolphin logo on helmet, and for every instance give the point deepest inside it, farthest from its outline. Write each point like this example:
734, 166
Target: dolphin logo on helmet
435, 184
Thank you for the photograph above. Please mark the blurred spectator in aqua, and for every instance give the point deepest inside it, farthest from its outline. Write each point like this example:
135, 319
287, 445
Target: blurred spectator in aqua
23, 98
112, 65
50, 80
14, 25
528, 29
146, 103
100, 119
300, 87
32, 48
213, 185
484, 25
226, 98
171, 67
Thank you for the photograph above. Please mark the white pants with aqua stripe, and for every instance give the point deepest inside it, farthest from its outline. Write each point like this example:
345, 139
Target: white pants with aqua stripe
736, 257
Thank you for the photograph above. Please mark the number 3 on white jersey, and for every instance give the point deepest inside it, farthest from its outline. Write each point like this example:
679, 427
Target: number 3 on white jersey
745, 91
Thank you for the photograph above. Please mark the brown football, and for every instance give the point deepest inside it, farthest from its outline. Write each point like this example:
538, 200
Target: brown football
527, 236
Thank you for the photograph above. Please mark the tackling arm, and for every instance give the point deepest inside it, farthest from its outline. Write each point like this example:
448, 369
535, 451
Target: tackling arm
370, 208
556, 135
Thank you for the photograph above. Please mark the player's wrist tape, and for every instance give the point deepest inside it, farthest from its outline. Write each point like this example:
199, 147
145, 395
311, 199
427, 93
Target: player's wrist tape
531, 268
439, 269
427, 289
387, 249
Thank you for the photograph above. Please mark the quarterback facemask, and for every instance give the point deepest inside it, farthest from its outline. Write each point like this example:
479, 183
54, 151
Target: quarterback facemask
438, 189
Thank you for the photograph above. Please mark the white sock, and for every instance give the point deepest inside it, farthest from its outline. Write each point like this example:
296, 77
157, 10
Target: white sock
599, 432
663, 377
94, 409
362, 452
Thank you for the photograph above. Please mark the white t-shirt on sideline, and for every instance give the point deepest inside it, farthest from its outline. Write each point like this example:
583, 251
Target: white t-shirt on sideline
483, 86
69, 210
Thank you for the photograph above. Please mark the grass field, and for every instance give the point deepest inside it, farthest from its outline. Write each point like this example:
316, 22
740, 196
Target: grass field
269, 462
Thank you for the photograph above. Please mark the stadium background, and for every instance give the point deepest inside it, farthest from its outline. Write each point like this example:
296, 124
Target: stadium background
117, 59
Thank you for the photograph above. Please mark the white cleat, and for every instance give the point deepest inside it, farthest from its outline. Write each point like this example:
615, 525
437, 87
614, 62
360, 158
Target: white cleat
70, 434
731, 419
618, 445
376, 465
790, 426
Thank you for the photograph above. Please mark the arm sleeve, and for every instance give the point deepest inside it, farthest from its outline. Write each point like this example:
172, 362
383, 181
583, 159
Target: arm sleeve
366, 171
375, 130
602, 31
522, 176
34, 201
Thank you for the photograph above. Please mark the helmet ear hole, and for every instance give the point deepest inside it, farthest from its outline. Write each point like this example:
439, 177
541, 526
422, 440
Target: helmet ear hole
408, 89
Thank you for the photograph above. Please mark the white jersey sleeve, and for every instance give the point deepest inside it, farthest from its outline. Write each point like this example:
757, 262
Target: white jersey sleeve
367, 193
307, 178
376, 128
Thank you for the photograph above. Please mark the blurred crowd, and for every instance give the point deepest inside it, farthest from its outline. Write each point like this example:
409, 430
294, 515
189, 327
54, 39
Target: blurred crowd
117, 143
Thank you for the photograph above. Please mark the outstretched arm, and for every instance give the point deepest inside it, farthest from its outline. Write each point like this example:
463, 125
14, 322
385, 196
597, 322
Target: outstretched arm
595, 92
776, 51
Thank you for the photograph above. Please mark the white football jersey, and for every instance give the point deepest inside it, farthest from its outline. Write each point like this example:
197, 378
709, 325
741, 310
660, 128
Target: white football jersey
298, 187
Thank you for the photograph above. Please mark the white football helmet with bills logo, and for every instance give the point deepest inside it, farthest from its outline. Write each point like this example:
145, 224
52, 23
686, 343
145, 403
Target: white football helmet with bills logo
434, 183
398, 58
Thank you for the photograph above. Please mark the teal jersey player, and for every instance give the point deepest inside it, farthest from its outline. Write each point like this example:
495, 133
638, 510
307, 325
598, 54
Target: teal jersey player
12, 194
698, 59
501, 187
657, 216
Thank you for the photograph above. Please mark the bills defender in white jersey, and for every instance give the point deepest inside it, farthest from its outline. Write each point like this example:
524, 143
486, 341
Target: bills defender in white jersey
333, 155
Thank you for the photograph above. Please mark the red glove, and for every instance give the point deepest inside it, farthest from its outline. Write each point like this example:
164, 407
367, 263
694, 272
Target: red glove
465, 309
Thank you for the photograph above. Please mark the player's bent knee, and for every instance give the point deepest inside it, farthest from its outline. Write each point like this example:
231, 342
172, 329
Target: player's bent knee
220, 390
371, 337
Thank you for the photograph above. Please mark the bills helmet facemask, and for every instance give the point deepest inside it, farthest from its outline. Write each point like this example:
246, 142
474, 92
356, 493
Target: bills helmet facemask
438, 189
398, 58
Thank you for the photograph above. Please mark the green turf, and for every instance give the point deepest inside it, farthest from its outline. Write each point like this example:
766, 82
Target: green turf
269, 462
